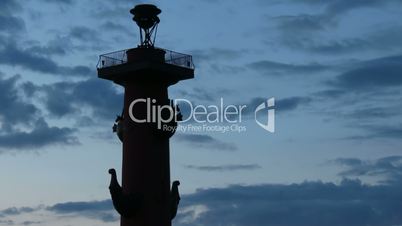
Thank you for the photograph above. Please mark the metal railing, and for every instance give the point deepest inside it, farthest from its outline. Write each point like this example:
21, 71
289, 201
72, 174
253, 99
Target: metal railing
179, 59
112, 59
120, 57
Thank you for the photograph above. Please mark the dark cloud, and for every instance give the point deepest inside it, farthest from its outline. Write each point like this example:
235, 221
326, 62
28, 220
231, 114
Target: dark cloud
307, 32
335, 46
336, 7
281, 104
310, 203
205, 142
11, 24
225, 69
16, 211
11, 55
349, 203
389, 167
31, 222
13, 109
68, 2
111, 26
381, 40
360, 116
215, 54
48, 50
295, 25
84, 34
9, 7
51, 49
111, 11
41, 135
371, 132
22, 123
371, 75
59, 100
387, 131
369, 111
197, 94
203, 94
368, 94
133, 2
307, 38
374, 113
100, 95
342, 6
73, 207
330, 93
291, 103
7, 222
100, 210
59, 45
225, 168
68, 98
363, 84
271, 68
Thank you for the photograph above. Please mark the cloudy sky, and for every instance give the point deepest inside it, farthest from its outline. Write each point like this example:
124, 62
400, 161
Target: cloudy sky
334, 68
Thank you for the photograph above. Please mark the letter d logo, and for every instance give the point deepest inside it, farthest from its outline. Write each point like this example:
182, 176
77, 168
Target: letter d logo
269, 106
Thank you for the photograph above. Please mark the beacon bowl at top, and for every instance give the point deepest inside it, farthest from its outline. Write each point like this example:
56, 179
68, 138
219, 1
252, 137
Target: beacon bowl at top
146, 15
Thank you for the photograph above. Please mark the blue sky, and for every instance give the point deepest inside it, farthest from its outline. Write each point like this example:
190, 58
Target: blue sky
334, 68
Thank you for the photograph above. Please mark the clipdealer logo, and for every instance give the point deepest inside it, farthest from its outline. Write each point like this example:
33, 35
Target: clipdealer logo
268, 106
203, 118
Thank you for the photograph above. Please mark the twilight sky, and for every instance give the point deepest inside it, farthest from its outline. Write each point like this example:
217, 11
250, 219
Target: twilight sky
334, 68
